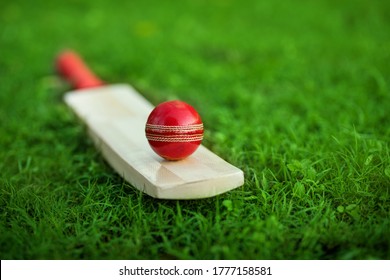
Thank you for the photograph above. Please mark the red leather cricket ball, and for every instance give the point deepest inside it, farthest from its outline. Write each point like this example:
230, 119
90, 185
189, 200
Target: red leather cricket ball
174, 130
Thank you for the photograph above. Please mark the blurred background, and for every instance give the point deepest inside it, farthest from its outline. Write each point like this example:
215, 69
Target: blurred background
296, 93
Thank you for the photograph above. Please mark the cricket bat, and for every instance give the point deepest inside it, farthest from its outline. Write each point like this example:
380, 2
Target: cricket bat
115, 117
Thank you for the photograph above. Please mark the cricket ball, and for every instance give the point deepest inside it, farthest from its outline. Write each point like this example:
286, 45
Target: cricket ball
174, 130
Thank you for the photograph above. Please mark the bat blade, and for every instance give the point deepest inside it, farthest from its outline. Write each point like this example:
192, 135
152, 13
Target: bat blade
115, 116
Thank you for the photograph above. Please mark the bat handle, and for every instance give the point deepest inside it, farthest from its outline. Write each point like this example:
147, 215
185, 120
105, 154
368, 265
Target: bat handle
71, 67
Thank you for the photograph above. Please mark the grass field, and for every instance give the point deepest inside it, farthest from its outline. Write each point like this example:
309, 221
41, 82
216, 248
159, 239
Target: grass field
295, 93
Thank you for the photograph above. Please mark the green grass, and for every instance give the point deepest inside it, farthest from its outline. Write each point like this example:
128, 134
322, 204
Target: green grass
296, 93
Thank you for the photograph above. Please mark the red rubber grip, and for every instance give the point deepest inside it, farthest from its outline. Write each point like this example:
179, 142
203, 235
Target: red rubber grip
71, 66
